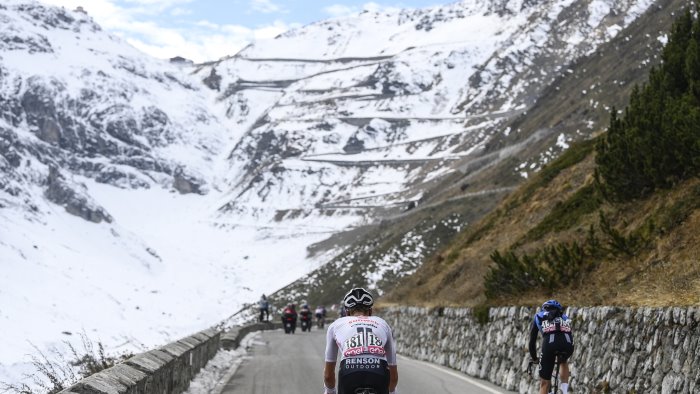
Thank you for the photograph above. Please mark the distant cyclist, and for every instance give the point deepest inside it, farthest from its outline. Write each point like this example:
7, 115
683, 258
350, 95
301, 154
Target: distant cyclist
264, 307
320, 314
367, 349
556, 337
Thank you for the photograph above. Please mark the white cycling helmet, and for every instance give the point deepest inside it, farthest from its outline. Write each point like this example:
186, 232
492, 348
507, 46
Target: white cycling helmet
358, 297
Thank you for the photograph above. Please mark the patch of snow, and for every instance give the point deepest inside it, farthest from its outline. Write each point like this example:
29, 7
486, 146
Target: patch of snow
221, 368
561, 141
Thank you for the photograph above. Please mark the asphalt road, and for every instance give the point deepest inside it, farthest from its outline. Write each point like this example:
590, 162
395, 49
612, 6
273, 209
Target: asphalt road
293, 364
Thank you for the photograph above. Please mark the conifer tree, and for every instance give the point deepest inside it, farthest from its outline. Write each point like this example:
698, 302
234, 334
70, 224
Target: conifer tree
657, 142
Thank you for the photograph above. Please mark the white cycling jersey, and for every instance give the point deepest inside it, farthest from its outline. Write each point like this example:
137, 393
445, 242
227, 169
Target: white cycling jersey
360, 336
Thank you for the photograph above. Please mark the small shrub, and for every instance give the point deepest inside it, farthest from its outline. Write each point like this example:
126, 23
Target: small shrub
512, 274
548, 268
54, 372
616, 242
594, 248
481, 313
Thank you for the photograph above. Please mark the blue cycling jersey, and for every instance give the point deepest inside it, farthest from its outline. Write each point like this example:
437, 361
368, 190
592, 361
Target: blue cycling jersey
548, 322
551, 322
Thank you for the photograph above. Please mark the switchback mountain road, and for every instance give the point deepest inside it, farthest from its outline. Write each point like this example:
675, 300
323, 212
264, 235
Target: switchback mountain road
279, 363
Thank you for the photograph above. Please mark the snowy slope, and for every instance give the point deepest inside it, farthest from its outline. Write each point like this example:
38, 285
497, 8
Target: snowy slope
388, 102
111, 164
141, 201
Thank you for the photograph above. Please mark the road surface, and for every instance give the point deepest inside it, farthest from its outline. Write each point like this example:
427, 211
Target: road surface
293, 364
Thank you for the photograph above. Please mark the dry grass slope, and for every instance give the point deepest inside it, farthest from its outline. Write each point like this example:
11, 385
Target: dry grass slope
663, 267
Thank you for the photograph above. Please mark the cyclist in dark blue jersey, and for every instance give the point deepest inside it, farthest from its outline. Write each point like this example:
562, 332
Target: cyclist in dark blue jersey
557, 337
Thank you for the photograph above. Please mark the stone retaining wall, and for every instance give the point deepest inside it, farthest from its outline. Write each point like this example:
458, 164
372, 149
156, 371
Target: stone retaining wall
168, 369
232, 338
618, 350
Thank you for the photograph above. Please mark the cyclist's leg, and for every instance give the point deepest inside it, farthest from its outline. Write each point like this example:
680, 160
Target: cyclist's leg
564, 372
567, 347
543, 368
546, 363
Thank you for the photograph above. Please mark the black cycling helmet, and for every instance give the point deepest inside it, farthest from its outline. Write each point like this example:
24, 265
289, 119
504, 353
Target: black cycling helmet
551, 305
358, 297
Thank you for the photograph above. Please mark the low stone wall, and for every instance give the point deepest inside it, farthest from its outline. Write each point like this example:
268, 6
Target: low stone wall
618, 350
232, 338
168, 369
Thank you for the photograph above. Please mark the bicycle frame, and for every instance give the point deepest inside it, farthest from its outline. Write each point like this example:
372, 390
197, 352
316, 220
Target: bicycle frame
555, 385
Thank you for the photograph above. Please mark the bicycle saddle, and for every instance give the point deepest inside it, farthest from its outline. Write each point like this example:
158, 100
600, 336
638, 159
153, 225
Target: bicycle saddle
365, 390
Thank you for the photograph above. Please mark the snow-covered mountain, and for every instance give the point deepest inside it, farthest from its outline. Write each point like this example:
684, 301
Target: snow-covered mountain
387, 102
112, 169
142, 200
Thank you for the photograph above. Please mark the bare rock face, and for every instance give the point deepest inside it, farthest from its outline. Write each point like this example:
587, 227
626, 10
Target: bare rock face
185, 183
213, 81
37, 103
95, 109
73, 198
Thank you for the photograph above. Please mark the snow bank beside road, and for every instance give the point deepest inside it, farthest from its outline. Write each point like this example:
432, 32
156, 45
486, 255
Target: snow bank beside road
214, 377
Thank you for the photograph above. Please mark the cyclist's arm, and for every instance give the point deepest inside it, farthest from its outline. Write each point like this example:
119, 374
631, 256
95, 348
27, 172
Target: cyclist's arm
393, 377
329, 375
331, 357
390, 349
533, 340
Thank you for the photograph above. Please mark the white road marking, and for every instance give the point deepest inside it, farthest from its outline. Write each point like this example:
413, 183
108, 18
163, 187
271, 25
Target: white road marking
455, 374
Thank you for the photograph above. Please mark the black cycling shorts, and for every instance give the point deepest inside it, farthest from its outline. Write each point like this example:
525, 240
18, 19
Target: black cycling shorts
359, 372
553, 343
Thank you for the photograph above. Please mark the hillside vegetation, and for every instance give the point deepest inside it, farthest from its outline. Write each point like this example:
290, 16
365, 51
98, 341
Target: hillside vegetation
614, 220
575, 105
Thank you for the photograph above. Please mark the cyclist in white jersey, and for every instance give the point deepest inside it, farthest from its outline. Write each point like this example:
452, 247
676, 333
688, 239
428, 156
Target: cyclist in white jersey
367, 349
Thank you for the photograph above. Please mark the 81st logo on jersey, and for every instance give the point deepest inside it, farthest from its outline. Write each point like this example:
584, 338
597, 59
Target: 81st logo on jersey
364, 342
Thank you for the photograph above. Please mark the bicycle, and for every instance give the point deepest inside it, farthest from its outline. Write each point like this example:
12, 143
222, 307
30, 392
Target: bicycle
365, 390
553, 388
